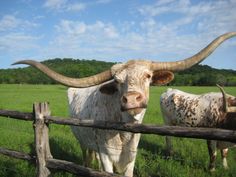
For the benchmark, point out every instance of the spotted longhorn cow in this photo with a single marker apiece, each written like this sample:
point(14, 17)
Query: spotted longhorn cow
point(119, 94)
point(214, 110)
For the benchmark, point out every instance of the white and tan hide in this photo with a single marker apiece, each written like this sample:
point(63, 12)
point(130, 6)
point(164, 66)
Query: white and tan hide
point(206, 110)
point(119, 94)
point(122, 101)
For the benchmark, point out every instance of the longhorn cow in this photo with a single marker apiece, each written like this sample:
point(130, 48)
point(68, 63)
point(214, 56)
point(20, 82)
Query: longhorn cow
point(215, 110)
point(120, 94)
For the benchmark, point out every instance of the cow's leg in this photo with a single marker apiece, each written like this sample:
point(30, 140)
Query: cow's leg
point(87, 157)
point(224, 153)
point(106, 163)
point(84, 153)
point(130, 169)
point(212, 153)
point(90, 157)
point(99, 161)
point(169, 149)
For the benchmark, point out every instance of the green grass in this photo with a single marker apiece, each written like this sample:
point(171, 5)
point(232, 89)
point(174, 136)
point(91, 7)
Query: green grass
point(190, 158)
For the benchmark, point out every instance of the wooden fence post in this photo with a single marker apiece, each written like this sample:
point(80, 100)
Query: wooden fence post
point(41, 138)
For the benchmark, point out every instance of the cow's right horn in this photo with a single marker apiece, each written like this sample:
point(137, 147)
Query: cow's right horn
point(197, 58)
point(71, 82)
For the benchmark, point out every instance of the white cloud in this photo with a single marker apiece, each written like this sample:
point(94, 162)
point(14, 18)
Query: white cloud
point(78, 28)
point(163, 2)
point(17, 46)
point(64, 5)
point(76, 7)
point(68, 27)
point(39, 17)
point(165, 29)
point(55, 4)
point(8, 22)
point(178, 6)
point(17, 42)
point(111, 32)
point(77, 38)
point(148, 24)
point(103, 1)
point(211, 16)
point(199, 22)
point(163, 7)
point(192, 27)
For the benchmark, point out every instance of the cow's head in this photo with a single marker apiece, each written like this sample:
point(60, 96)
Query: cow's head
point(132, 79)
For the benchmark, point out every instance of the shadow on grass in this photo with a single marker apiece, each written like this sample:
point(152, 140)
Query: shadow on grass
point(59, 151)
point(157, 149)
point(8, 168)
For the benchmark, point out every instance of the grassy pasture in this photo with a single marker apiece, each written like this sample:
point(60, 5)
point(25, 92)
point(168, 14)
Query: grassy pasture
point(190, 159)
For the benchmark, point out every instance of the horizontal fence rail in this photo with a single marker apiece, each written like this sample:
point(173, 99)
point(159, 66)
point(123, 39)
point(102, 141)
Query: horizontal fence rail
point(17, 154)
point(17, 115)
point(58, 164)
point(177, 131)
point(76, 169)
point(44, 161)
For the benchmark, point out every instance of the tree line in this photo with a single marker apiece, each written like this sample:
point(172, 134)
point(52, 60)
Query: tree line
point(199, 75)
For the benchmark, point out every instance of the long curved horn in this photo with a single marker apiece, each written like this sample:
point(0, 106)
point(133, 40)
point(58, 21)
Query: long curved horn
point(226, 107)
point(71, 82)
point(197, 58)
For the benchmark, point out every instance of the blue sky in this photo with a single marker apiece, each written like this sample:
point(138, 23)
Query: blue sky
point(116, 30)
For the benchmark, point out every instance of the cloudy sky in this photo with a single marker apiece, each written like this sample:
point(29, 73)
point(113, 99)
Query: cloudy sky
point(116, 30)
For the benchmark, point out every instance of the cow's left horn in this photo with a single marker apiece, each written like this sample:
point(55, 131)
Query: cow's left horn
point(226, 107)
point(71, 82)
point(197, 58)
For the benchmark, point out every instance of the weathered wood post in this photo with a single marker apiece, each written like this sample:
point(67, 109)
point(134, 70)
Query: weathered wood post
point(41, 138)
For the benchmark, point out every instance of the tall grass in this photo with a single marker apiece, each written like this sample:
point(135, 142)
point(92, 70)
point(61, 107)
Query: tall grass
point(190, 157)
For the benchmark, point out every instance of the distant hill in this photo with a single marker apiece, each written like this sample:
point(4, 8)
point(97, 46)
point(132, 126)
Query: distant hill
point(204, 75)
point(197, 75)
point(67, 66)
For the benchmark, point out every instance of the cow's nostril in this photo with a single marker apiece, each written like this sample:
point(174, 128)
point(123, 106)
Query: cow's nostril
point(124, 99)
point(139, 97)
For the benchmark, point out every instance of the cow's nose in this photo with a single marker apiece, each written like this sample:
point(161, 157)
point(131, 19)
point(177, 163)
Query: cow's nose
point(132, 97)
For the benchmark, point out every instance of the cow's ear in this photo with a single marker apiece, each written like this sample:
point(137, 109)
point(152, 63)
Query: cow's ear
point(109, 88)
point(162, 77)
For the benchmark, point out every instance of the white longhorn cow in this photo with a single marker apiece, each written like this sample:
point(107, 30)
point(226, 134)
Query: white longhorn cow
point(215, 110)
point(120, 94)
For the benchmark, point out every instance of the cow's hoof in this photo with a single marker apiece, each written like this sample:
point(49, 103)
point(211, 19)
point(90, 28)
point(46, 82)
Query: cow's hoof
point(226, 167)
point(212, 169)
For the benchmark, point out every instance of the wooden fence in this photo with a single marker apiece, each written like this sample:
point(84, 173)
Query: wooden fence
point(44, 160)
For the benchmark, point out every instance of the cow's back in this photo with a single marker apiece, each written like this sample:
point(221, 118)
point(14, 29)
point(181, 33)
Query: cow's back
point(184, 109)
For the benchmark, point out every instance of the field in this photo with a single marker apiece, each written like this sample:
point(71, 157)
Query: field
point(190, 157)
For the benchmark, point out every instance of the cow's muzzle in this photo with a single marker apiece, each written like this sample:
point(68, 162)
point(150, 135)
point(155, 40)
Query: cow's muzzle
point(133, 111)
point(133, 103)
